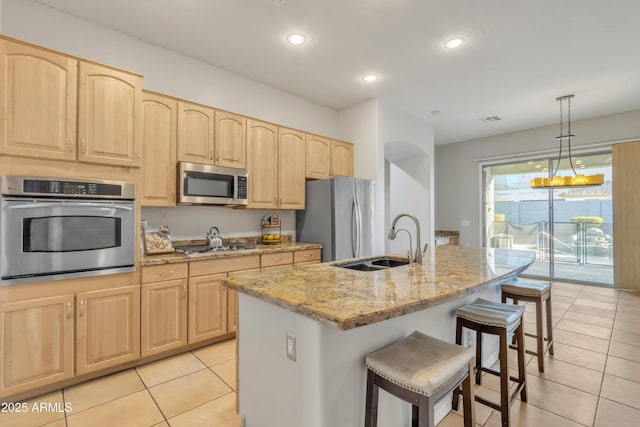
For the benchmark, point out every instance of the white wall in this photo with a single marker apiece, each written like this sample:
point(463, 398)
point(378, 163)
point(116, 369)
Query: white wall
point(407, 142)
point(359, 124)
point(193, 222)
point(457, 172)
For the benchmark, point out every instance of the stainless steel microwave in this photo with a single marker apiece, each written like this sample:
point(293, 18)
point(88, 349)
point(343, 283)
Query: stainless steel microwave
point(200, 184)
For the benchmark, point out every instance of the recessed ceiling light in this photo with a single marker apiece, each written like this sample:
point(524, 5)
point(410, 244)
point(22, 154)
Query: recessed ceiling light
point(369, 78)
point(296, 39)
point(454, 42)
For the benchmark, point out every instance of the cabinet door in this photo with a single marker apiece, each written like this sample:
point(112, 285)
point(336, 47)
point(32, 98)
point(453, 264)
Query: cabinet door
point(37, 102)
point(36, 343)
point(291, 169)
point(207, 307)
point(231, 140)
point(108, 328)
point(318, 157)
point(262, 155)
point(341, 158)
point(163, 316)
point(109, 116)
point(232, 301)
point(159, 135)
point(195, 133)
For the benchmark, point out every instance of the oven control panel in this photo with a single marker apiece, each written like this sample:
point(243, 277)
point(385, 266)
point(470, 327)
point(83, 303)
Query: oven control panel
point(34, 186)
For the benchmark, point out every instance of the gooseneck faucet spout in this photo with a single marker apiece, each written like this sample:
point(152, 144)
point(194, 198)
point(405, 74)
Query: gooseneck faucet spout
point(417, 257)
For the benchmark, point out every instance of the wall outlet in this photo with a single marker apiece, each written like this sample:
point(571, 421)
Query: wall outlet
point(466, 223)
point(291, 346)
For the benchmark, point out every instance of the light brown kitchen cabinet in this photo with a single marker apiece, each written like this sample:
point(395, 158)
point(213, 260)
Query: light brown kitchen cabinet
point(230, 144)
point(341, 158)
point(262, 164)
point(159, 140)
point(108, 115)
point(37, 102)
point(318, 157)
point(164, 305)
point(306, 257)
point(232, 301)
point(195, 133)
point(55, 107)
point(291, 169)
point(108, 328)
point(207, 307)
point(36, 343)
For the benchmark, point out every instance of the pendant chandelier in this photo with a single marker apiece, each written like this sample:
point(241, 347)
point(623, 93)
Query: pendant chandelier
point(577, 180)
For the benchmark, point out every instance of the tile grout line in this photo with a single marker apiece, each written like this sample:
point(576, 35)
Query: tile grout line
point(151, 395)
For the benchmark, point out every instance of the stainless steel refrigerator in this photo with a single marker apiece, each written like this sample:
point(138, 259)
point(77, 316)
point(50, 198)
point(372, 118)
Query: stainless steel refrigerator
point(339, 214)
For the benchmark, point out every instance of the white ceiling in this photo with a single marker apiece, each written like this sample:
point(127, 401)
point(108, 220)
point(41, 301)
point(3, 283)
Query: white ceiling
point(519, 55)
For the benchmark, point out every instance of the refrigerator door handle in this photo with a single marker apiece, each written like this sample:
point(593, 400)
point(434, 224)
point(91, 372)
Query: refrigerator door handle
point(354, 228)
point(358, 227)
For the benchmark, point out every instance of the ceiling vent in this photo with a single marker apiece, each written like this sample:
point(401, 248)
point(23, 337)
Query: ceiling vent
point(491, 119)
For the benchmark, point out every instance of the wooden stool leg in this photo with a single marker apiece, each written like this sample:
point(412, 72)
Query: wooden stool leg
point(504, 378)
point(371, 408)
point(478, 357)
point(456, 391)
point(468, 400)
point(549, 324)
point(425, 412)
point(540, 336)
point(521, 355)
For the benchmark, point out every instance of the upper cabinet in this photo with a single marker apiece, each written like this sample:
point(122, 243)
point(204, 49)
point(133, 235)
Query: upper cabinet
point(55, 107)
point(341, 158)
point(318, 157)
point(108, 116)
point(159, 135)
point(37, 102)
point(195, 133)
point(262, 164)
point(230, 140)
point(291, 169)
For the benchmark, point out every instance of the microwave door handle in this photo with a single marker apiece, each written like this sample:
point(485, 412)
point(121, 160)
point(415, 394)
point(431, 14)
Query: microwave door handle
point(70, 205)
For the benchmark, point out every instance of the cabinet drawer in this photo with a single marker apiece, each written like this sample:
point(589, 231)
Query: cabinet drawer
point(158, 273)
point(306, 255)
point(223, 265)
point(280, 258)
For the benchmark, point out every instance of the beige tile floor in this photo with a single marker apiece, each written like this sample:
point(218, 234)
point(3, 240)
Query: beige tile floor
point(593, 379)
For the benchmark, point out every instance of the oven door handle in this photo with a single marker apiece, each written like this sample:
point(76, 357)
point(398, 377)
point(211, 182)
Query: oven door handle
point(70, 205)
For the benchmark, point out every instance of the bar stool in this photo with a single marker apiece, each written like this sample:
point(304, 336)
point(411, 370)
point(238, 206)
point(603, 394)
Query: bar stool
point(497, 319)
point(527, 290)
point(420, 370)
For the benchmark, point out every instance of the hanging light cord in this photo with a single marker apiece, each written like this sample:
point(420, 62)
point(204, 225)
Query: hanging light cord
point(563, 136)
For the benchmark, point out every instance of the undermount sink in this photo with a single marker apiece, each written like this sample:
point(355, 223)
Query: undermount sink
point(374, 264)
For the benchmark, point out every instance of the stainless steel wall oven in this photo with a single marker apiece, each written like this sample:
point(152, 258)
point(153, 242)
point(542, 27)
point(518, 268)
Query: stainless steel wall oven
point(53, 228)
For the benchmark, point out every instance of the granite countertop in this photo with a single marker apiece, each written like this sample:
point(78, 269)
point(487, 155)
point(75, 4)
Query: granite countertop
point(259, 249)
point(347, 299)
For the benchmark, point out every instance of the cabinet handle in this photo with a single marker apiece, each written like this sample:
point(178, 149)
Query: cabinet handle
point(83, 146)
point(184, 291)
point(70, 144)
point(68, 310)
point(277, 259)
point(167, 273)
point(173, 195)
point(307, 255)
point(81, 311)
point(217, 157)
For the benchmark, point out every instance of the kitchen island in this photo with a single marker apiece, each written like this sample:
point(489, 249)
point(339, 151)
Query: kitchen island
point(339, 315)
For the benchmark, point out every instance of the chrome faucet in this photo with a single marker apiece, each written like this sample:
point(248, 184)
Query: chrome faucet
point(417, 257)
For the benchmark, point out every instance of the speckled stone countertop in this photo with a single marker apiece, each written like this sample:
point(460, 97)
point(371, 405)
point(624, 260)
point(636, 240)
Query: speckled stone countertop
point(347, 299)
point(259, 249)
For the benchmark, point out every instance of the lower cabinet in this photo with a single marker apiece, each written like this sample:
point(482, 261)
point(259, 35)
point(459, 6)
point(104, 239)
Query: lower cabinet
point(108, 328)
point(163, 316)
point(37, 343)
point(207, 307)
point(37, 336)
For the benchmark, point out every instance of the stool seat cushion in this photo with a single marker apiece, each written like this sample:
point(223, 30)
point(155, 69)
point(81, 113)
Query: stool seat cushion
point(420, 363)
point(526, 288)
point(492, 313)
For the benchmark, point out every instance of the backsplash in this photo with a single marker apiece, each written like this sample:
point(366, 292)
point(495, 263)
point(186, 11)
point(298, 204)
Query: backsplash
point(193, 222)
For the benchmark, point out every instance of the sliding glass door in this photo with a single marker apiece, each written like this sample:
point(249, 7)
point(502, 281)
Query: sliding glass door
point(569, 228)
